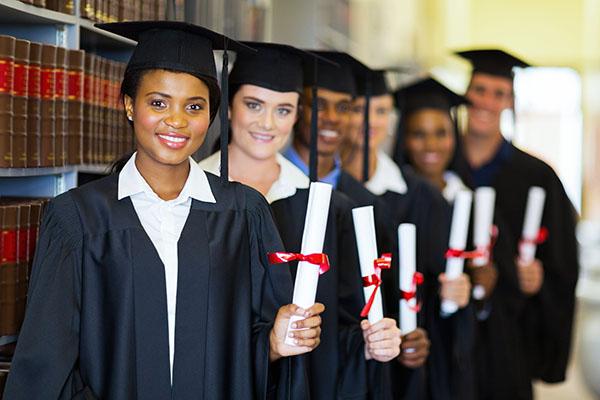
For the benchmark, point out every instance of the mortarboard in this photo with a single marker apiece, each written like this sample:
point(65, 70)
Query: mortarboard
point(183, 47)
point(492, 61)
point(337, 78)
point(426, 93)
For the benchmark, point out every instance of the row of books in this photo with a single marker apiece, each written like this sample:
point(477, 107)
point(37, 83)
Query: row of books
point(19, 226)
point(59, 106)
point(128, 10)
point(64, 6)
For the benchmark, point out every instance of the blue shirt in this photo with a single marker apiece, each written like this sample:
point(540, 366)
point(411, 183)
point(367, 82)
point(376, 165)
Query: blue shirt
point(485, 175)
point(332, 178)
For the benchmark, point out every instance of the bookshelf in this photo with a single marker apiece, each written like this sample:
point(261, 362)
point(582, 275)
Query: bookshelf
point(26, 21)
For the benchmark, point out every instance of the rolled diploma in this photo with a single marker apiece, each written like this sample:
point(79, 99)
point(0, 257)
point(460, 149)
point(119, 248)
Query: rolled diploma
point(532, 222)
point(366, 241)
point(458, 240)
point(407, 244)
point(315, 224)
point(482, 228)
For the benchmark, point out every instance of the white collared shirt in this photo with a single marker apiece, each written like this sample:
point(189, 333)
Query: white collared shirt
point(290, 179)
point(163, 221)
point(453, 185)
point(387, 177)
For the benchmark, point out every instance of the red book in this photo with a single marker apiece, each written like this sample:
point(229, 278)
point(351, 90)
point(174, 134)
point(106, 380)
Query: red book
point(20, 103)
point(34, 105)
point(48, 105)
point(88, 107)
point(75, 106)
point(7, 58)
point(60, 96)
point(8, 270)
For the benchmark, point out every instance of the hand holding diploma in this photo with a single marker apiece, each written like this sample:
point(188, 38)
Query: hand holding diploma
point(414, 349)
point(305, 339)
point(382, 339)
point(531, 276)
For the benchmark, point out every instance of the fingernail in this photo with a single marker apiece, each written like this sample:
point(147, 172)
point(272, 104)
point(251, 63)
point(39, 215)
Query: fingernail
point(290, 334)
point(296, 341)
point(294, 325)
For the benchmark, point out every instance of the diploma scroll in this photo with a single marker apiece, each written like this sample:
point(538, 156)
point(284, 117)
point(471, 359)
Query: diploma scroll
point(407, 241)
point(482, 230)
point(315, 224)
point(366, 241)
point(531, 225)
point(458, 241)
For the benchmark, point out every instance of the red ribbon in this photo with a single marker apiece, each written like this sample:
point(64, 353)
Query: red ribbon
point(484, 252)
point(541, 237)
point(383, 262)
point(319, 259)
point(417, 280)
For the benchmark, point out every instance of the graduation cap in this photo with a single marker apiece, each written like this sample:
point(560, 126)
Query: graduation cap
point(425, 93)
point(493, 61)
point(376, 81)
point(274, 66)
point(338, 77)
point(183, 47)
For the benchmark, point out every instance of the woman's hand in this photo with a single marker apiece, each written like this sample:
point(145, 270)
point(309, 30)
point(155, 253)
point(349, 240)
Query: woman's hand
point(485, 276)
point(382, 340)
point(414, 349)
point(307, 336)
point(457, 290)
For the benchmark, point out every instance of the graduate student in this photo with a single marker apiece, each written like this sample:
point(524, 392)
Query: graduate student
point(154, 282)
point(408, 198)
point(429, 142)
point(334, 91)
point(549, 281)
point(265, 89)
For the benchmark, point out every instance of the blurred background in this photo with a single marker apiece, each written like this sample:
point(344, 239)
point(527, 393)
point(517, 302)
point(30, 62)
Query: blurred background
point(557, 112)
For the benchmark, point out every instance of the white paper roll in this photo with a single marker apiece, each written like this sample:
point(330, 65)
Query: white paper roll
point(366, 241)
point(407, 243)
point(315, 224)
point(458, 241)
point(482, 227)
point(531, 224)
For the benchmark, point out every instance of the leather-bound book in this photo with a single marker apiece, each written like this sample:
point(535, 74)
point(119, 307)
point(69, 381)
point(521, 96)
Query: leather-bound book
point(48, 105)
point(88, 107)
point(75, 107)
point(8, 269)
point(60, 94)
point(87, 9)
point(34, 105)
point(20, 103)
point(7, 58)
point(22, 261)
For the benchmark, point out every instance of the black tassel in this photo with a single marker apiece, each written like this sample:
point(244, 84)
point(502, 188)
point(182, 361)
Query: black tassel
point(366, 128)
point(313, 162)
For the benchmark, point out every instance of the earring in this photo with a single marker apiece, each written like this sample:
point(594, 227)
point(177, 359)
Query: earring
point(129, 117)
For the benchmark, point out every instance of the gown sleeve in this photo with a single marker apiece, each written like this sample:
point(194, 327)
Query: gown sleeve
point(272, 288)
point(45, 361)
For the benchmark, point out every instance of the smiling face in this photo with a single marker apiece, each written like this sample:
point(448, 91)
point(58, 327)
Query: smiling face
point(489, 96)
point(333, 119)
point(262, 120)
point(429, 141)
point(380, 109)
point(170, 116)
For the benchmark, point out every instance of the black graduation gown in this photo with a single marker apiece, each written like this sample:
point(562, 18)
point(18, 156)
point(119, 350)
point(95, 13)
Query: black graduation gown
point(337, 367)
point(546, 319)
point(448, 373)
point(96, 321)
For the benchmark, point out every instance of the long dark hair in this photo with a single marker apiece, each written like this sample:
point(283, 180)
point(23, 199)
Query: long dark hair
point(130, 86)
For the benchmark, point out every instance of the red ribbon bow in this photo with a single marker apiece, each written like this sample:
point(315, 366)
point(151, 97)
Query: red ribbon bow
point(319, 259)
point(383, 262)
point(541, 237)
point(417, 280)
point(483, 252)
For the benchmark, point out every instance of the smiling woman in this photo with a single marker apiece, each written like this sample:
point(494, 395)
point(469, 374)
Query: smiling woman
point(148, 279)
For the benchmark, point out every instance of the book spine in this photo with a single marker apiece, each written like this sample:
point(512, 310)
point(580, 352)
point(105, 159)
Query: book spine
point(7, 58)
point(48, 105)
point(34, 105)
point(75, 106)
point(60, 96)
point(88, 94)
point(20, 103)
point(8, 270)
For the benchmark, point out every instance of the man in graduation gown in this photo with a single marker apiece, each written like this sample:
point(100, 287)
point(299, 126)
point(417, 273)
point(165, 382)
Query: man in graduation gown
point(548, 283)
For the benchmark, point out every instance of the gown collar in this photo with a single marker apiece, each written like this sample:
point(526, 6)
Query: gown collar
point(387, 177)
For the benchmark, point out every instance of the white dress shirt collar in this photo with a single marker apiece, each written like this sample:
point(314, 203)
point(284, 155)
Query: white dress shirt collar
point(290, 179)
point(196, 186)
point(387, 177)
